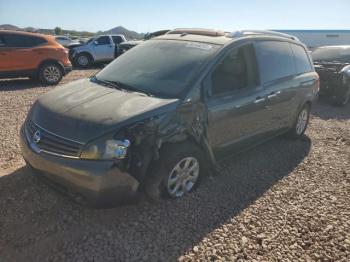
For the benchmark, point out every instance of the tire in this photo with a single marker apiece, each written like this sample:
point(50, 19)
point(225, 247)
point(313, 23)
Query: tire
point(342, 97)
point(168, 173)
point(300, 123)
point(83, 60)
point(50, 74)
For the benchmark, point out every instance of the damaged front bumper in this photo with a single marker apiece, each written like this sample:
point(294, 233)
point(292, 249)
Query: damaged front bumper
point(99, 183)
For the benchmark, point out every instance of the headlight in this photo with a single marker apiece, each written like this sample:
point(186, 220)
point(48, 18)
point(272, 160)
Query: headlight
point(106, 150)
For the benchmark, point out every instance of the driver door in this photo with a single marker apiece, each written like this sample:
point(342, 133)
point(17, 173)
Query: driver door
point(103, 48)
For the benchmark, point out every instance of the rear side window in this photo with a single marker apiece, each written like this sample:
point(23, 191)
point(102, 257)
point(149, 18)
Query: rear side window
point(275, 60)
point(103, 40)
point(117, 39)
point(302, 61)
point(61, 38)
point(2, 41)
point(23, 40)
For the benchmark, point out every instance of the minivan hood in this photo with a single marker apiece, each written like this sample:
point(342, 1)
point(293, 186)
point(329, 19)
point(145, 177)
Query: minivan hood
point(83, 110)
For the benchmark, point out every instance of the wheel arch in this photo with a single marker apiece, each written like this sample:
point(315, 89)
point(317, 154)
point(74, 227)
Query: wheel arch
point(200, 143)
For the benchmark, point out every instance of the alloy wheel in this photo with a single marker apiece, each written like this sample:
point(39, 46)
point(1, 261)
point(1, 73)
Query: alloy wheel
point(183, 177)
point(83, 60)
point(302, 121)
point(52, 74)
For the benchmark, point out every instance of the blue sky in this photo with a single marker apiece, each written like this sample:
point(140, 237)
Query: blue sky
point(151, 15)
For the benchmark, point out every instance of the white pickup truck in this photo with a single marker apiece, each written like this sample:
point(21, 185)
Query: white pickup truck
point(103, 48)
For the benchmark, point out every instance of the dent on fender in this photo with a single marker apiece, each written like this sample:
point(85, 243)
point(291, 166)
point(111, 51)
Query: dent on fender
point(148, 137)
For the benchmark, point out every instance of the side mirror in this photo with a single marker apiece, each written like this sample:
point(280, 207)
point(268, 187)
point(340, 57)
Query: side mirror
point(95, 42)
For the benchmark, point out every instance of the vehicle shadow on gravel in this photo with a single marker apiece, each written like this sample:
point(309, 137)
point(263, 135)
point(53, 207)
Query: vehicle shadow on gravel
point(43, 225)
point(17, 84)
point(325, 110)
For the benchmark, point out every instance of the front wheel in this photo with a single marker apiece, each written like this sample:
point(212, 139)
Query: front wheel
point(177, 172)
point(83, 60)
point(300, 123)
point(50, 74)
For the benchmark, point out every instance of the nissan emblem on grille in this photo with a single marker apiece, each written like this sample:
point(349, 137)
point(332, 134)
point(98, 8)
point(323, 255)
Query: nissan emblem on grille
point(37, 136)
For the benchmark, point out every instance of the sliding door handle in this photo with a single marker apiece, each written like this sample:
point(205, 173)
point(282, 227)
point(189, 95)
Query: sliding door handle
point(259, 99)
point(273, 94)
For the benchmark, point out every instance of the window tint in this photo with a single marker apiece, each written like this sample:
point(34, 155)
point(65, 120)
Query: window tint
point(302, 61)
point(238, 70)
point(117, 39)
point(275, 60)
point(103, 40)
point(23, 40)
point(2, 41)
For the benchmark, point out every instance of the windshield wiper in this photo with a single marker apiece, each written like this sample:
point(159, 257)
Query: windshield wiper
point(105, 82)
point(121, 86)
point(128, 88)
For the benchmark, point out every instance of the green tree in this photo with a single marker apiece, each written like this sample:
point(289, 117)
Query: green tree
point(58, 30)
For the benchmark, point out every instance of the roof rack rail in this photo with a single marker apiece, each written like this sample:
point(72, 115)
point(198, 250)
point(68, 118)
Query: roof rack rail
point(197, 31)
point(241, 33)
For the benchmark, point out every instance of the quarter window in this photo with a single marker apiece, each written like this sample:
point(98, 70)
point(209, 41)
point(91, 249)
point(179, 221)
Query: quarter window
point(23, 40)
point(2, 41)
point(103, 40)
point(302, 61)
point(275, 60)
point(238, 70)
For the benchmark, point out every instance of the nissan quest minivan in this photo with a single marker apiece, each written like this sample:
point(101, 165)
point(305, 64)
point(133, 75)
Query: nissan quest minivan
point(164, 113)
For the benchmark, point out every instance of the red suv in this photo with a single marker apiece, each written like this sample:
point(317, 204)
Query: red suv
point(32, 55)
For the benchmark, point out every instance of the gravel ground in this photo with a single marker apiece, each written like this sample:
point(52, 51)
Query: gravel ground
point(282, 201)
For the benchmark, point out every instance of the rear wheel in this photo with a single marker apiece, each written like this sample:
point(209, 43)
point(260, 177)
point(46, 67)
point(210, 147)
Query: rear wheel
point(178, 171)
point(342, 97)
point(300, 123)
point(83, 60)
point(50, 74)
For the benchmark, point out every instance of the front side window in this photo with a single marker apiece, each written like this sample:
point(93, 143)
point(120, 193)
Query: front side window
point(159, 67)
point(237, 71)
point(23, 40)
point(302, 61)
point(103, 40)
point(275, 60)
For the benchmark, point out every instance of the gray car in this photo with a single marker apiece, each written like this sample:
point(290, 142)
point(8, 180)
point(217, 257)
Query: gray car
point(102, 48)
point(162, 115)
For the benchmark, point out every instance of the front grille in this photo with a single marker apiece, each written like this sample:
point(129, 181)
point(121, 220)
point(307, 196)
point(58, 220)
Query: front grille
point(51, 143)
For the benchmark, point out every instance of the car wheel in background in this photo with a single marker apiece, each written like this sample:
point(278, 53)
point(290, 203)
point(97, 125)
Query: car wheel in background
point(177, 172)
point(50, 74)
point(300, 123)
point(342, 97)
point(83, 60)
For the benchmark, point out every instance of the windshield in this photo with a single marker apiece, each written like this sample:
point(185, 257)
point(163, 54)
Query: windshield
point(330, 54)
point(158, 67)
